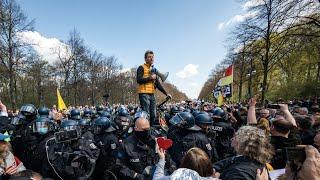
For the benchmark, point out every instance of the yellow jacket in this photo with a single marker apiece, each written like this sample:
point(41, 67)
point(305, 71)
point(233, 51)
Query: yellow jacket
point(146, 84)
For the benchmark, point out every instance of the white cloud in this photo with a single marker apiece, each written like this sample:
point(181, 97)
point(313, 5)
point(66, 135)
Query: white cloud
point(311, 7)
point(46, 47)
point(194, 84)
point(236, 19)
point(188, 71)
point(220, 26)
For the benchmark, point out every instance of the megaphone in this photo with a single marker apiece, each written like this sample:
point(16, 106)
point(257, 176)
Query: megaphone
point(162, 76)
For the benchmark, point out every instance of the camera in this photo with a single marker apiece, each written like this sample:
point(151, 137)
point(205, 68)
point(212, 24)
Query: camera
point(295, 154)
point(63, 136)
point(273, 106)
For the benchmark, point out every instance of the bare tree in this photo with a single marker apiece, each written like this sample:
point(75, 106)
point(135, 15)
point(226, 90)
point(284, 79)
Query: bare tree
point(268, 26)
point(13, 23)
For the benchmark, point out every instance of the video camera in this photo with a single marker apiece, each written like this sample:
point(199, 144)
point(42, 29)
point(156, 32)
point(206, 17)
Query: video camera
point(273, 106)
point(293, 156)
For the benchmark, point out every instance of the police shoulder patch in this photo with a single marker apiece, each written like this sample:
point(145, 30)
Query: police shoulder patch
point(93, 146)
point(135, 160)
point(209, 146)
point(113, 146)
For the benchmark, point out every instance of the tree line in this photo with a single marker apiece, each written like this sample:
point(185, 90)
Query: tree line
point(82, 74)
point(275, 52)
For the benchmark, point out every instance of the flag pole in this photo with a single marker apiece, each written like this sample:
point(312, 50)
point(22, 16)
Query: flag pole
point(232, 98)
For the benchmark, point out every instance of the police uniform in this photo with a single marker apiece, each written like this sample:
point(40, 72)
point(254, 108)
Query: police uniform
point(108, 144)
point(136, 160)
point(74, 159)
point(183, 140)
point(24, 142)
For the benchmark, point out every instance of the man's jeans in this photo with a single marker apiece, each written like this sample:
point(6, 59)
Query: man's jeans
point(148, 104)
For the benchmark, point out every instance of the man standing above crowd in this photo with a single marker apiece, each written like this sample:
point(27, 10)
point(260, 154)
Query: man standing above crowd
point(148, 82)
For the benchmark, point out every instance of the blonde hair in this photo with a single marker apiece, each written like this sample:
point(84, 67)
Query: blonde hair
point(263, 124)
point(254, 143)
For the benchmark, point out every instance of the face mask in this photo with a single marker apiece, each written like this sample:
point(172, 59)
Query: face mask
point(43, 130)
point(143, 136)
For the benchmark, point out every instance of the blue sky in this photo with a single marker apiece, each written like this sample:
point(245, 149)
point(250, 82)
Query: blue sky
point(180, 32)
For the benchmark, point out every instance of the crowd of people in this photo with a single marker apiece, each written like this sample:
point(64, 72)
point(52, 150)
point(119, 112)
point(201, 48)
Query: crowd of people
point(234, 141)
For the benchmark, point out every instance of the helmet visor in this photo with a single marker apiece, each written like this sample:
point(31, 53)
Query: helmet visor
point(28, 109)
point(41, 127)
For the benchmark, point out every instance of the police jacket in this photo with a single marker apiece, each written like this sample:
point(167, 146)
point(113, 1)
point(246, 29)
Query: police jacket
point(237, 167)
point(138, 160)
point(108, 144)
point(183, 140)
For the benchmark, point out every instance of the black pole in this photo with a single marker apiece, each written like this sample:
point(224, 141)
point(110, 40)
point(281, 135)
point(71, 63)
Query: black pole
point(250, 78)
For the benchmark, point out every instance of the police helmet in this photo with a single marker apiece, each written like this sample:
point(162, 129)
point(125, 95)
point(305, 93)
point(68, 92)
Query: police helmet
point(18, 120)
point(218, 113)
point(195, 113)
point(99, 109)
point(28, 110)
point(123, 122)
point(109, 110)
point(174, 110)
point(43, 111)
point(69, 125)
point(83, 122)
point(42, 125)
point(203, 119)
point(122, 111)
point(184, 120)
point(94, 114)
point(105, 114)
point(87, 113)
point(102, 124)
point(75, 114)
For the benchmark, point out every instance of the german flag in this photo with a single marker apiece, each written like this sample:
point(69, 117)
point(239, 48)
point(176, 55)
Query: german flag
point(228, 76)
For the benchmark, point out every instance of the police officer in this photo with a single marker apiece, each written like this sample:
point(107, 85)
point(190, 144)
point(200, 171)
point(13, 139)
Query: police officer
point(86, 131)
point(44, 128)
point(24, 140)
point(205, 122)
point(123, 122)
point(73, 156)
point(185, 135)
point(108, 143)
point(137, 156)
point(223, 132)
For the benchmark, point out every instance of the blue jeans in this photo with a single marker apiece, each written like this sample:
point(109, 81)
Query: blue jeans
point(148, 104)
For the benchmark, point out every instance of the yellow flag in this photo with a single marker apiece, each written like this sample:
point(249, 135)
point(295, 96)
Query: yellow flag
point(220, 99)
point(61, 104)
